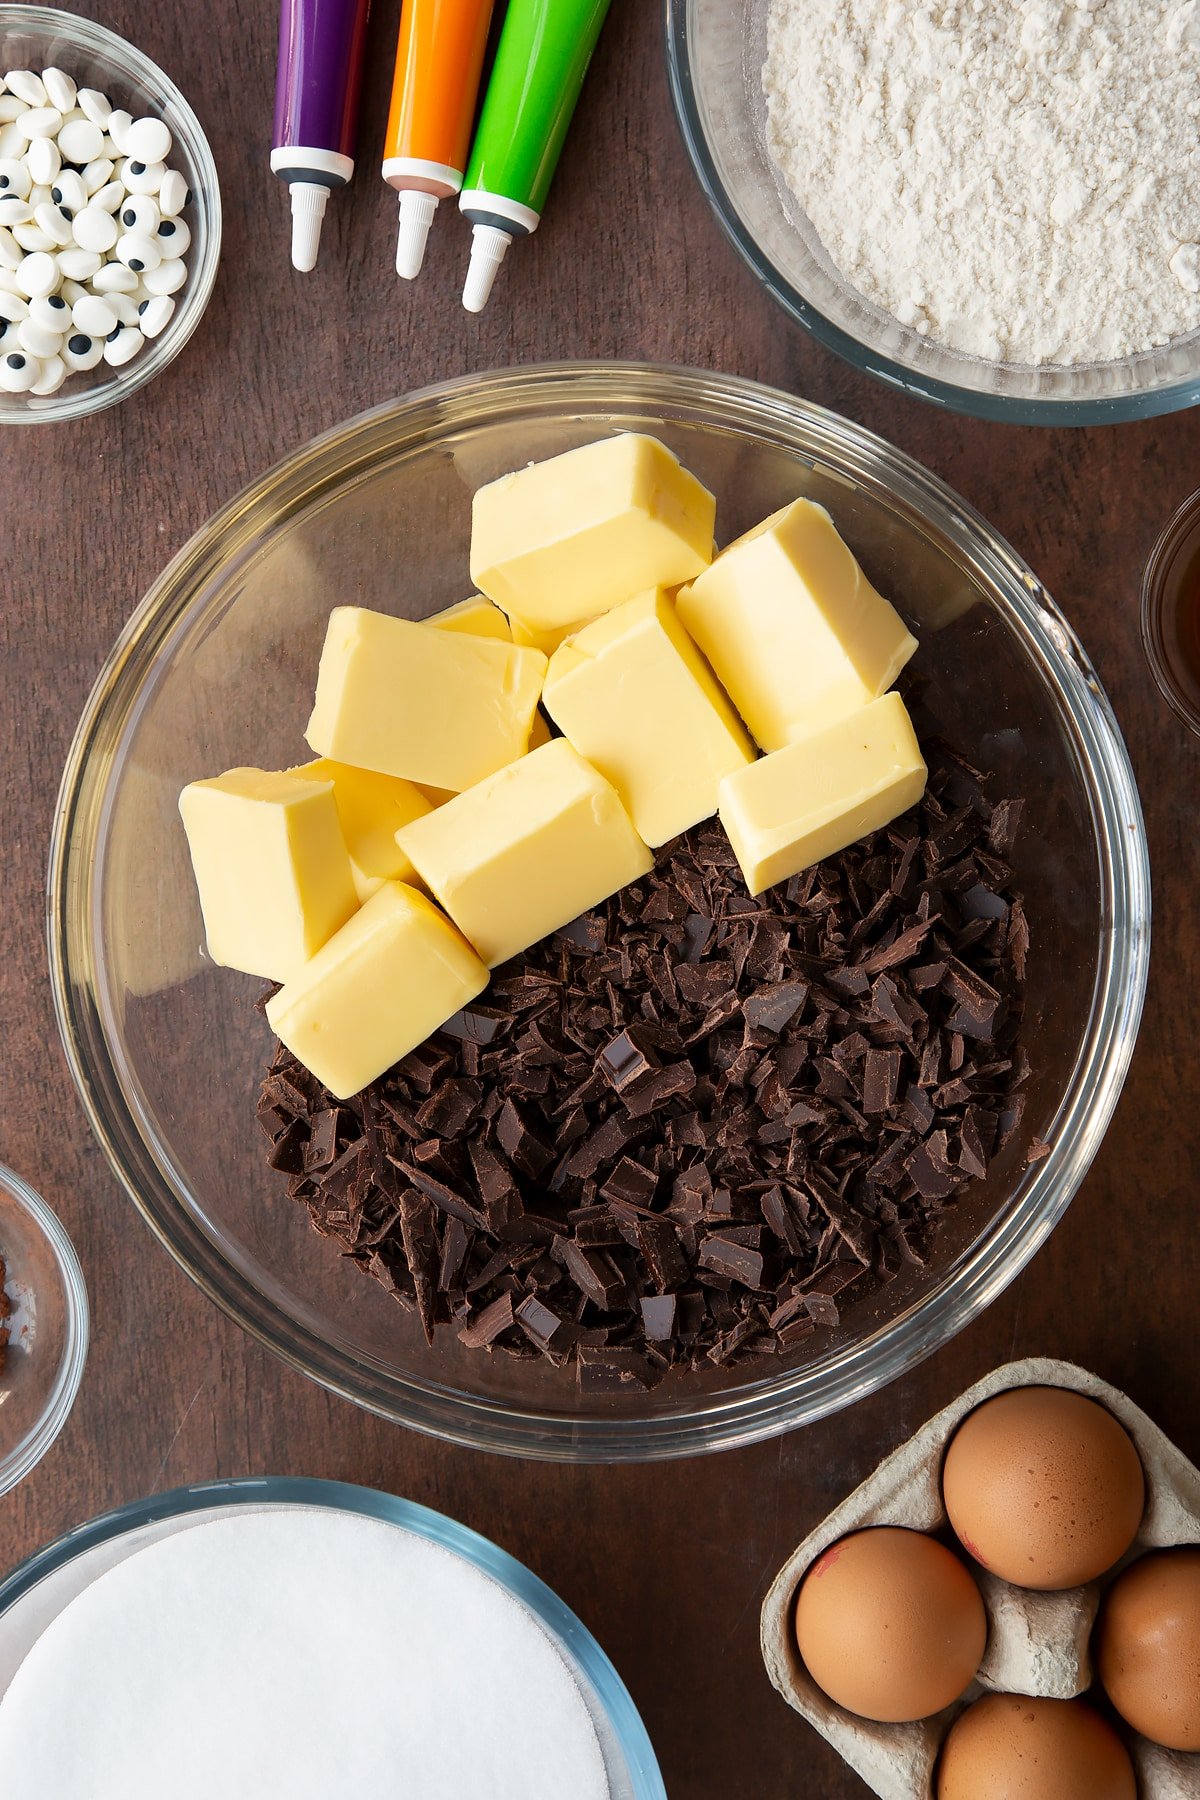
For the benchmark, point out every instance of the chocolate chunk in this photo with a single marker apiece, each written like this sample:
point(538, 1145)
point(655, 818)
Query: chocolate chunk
point(658, 1316)
point(422, 1254)
point(903, 946)
point(881, 1077)
point(624, 1058)
point(476, 1024)
point(498, 1192)
point(288, 1152)
point(631, 1181)
point(653, 1091)
point(456, 1246)
point(659, 1244)
point(524, 1149)
point(487, 1325)
point(593, 1272)
point(822, 1309)
point(726, 1256)
point(771, 1008)
point(541, 1324)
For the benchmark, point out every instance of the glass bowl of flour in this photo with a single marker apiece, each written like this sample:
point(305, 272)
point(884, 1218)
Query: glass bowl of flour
point(994, 207)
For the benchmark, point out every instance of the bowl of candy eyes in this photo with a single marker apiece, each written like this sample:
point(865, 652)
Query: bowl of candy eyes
point(110, 217)
point(650, 1094)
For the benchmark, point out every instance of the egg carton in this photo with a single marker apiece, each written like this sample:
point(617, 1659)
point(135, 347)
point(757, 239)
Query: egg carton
point(1037, 1642)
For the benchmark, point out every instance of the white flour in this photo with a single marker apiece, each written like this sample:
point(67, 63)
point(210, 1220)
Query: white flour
point(1018, 179)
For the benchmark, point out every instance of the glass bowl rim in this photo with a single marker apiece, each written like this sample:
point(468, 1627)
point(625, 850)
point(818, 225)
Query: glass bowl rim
point(25, 1455)
point(764, 1410)
point(1181, 528)
point(1008, 409)
point(81, 403)
point(391, 1509)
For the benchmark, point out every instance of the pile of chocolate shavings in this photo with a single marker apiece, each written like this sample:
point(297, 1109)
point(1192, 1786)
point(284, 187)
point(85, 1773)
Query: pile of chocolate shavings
point(678, 1132)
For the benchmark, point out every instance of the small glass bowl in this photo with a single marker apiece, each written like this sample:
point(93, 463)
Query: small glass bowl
point(38, 1590)
point(715, 54)
point(1174, 557)
point(48, 1329)
point(40, 37)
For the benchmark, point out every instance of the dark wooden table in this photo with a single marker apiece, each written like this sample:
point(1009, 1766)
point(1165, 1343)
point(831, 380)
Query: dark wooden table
point(667, 1565)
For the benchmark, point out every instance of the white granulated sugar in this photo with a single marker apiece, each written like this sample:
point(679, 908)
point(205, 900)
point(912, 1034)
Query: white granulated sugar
point(296, 1654)
point(1017, 179)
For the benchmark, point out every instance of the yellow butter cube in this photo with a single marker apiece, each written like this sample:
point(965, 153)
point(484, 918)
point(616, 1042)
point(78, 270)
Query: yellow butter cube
point(476, 617)
point(271, 868)
point(635, 696)
point(372, 808)
point(391, 976)
point(791, 625)
point(811, 799)
point(436, 707)
point(568, 538)
point(527, 850)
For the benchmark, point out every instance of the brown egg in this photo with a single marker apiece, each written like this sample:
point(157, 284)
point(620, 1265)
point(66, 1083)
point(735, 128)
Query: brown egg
point(1148, 1647)
point(1043, 1487)
point(1009, 1747)
point(890, 1624)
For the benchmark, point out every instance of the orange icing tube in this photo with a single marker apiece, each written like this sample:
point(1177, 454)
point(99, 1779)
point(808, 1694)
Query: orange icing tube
point(439, 61)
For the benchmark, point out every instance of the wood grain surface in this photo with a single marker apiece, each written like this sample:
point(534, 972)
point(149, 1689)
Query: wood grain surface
point(667, 1565)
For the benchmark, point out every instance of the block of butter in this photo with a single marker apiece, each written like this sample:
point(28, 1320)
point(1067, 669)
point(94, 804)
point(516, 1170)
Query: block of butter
point(475, 617)
point(527, 850)
point(798, 805)
point(568, 538)
point(372, 808)
point(634, 695)
point(376, 990)
point(271, 868)
point(795, 631)
point(438, 707)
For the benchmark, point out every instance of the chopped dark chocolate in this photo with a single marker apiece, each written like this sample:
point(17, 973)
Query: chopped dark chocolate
point(678, 1131)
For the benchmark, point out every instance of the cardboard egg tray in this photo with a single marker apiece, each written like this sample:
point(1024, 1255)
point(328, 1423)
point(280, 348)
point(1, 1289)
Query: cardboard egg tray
point(1037, 1642)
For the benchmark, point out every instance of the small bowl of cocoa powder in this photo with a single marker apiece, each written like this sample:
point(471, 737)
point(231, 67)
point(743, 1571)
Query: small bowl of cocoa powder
point(43, 1328)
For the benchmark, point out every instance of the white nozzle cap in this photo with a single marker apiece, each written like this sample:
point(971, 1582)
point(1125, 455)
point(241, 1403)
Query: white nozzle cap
point(416, 216)
point(308, 210)
point(489, 247)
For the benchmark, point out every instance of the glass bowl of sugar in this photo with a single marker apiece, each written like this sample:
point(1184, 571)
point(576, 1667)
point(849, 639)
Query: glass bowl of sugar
point(1023, 258)
point(447, 1665)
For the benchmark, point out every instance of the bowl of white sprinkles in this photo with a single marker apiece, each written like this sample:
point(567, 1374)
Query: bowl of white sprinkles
point(995, 207)
point(110, 217)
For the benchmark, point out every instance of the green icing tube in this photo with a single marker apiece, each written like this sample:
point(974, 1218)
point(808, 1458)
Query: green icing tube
point(543, 56)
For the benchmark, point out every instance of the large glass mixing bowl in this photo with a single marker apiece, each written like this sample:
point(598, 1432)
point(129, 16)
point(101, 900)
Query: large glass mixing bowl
point(216, 668)
point(715, 55)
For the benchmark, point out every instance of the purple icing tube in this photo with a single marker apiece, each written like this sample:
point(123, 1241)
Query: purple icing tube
point(321, 46)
